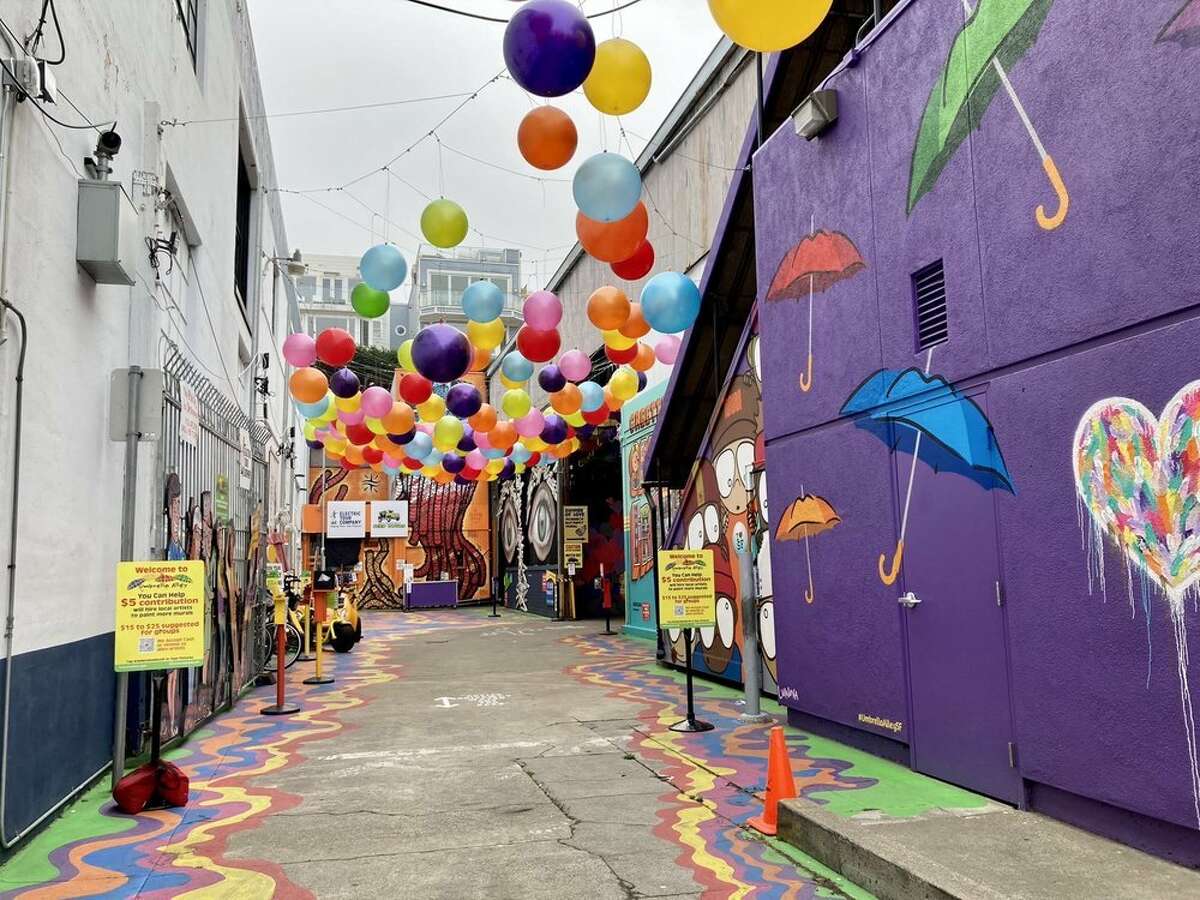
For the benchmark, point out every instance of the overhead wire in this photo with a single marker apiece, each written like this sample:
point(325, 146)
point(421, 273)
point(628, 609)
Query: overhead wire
point(383, 104)
point(428, 4)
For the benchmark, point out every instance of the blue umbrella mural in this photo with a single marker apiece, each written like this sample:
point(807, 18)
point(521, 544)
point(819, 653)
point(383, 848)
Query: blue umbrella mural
point(924, 415)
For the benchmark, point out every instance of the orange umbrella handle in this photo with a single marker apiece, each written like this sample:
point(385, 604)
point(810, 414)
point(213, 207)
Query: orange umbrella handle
point(1064, 200)
point(806, 379)
point(889, 576)
point(809, 597)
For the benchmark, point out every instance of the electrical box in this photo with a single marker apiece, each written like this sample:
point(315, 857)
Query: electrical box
point(106, 228)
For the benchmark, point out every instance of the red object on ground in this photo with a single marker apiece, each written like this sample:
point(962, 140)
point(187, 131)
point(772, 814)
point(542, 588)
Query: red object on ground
point(781, 785)
point(163, 780)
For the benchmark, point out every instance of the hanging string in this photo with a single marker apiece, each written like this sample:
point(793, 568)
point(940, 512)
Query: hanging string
point(387, 204)
point(441, 171)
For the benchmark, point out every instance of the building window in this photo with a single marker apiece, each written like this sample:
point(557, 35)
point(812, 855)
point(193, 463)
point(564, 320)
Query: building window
point(306, 287)
point(189, 18)
point(241, 247)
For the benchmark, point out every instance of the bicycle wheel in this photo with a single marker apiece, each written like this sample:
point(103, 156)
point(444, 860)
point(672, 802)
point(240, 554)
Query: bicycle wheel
point(292, 645)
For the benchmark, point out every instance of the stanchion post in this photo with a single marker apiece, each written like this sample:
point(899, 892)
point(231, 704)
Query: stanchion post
point(281, 706)
point(496, 582)
point(320, 601)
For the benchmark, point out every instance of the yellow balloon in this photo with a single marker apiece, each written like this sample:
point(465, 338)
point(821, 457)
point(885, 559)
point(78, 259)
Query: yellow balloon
point(432, 409)
point(447, 432)
point(534, 443)
point(375, 426)
point(768, 25)
point(348, 404)
point(444, 223)
point(335, 446)
point(576, 418)
point(328, 416)
point(310, 430)
point(429, 471)
point(404, 356)
point(515, 403)
point(486, 335)
point(624, 383)
point(620, 77)
point(618, 341)
point(510, 384)
point(495, 466)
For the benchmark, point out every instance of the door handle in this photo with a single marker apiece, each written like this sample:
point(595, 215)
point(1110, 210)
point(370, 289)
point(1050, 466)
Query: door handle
point(909, 600)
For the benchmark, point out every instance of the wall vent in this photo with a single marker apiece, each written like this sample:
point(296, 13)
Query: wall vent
point(929, 300)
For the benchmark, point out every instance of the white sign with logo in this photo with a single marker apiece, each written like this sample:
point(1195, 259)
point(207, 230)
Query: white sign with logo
point(389, 518)
point(346, 519)
point(246, 463)
point(189, 414)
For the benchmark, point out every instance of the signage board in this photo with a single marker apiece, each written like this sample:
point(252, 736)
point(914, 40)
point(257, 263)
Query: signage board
point(573, 553)
point(575, 523)
point(159, 615)
point(221, 499)
point(189, 414)
point(346, 519)
point(389, 518)
point(686, 589)
point(245, 460)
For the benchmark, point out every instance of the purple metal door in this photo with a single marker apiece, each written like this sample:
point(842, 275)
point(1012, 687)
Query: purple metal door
point(961, 724)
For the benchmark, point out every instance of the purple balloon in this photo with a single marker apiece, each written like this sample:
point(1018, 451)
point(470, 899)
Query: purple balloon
point(458, 479)
point(555, 429)
point(453, 463)
point(463, 400)
point(641, 381)
point(402, 438)
point(441, 353)
point(343, 383)
point(549, 47)
point(467, 444)
point(509, 470)
point(314, 445)
point(551, 379)
point(584, 431)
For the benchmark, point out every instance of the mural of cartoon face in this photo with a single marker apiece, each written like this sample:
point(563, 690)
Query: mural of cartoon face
point(719, 645)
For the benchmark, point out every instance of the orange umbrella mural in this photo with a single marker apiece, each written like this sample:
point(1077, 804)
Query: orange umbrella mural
point(808, 516)
point(813, 266)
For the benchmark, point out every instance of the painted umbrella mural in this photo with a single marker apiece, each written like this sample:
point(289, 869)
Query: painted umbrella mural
point(925, 416)
point(813, 266)
point(807, 517)
point(1184, 26)
point(996, 35)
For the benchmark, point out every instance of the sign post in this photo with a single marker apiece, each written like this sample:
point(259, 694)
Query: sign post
point(496, 582)
point(607, 602)
point(687, 599)
point(281, 706)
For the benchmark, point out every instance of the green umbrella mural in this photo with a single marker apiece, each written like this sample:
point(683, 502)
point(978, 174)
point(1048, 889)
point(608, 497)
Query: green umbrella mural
point(997, 34)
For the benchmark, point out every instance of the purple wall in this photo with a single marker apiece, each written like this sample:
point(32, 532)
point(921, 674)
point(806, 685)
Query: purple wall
point(1043, 323)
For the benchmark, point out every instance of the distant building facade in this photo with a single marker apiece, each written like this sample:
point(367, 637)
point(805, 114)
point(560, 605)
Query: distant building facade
point(441, 277)
point(324, 294)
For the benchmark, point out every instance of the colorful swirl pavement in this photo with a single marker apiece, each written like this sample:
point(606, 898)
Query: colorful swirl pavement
point(95, 851)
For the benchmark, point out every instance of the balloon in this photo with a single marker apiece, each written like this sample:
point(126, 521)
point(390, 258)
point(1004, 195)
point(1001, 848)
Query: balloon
point(315, 409)
point(547, 138)
point(549, 47)
point(515, 403)
point(368, 302)
point(467, 442)
point(607, 187)
point(484, 418)
point(503, 436)
point(516, 367)
point(670, 302)
point(447, 432)
point(667, 349)
point(623, 356)
point(482, 441)
point(463, 400)
point(419, 446)
point(404, 356)
point(551, 379)
point(542, 311)
point(402, 439)
point(612, 242)
point(531, 424)
point(591, 396)
point(351, 416)
point(376, 402)
point(483, 301)
point(554, 430)
point(599, 415)
point(426, 427)
point(520, 454)
point(299, 350)
point(375, 426)
point(494, 466)
point(569, 399)
point(576, 365)
point(642, 381)
point(485, 335)
point(453, 463)
point(636, 325)
point(383, 268)
point(354, 456)
point(480, 359)
point(441, 353)
point(411, 464)
point(538, 346)
point(643, 361)
point(636, 266)
point(509, 383)
point(335, 347)
point(561, 451)
point(608, 308)
point(611, 400)
point(616, 341)
point(620, 78)
point(372, 455)
point(768, 25)
point(623, 383)
point(308, 385)
point(359, 435)
point(476, 460)
point(399, 419)
point(344, 383)
point(444, 223)
point(415, 388)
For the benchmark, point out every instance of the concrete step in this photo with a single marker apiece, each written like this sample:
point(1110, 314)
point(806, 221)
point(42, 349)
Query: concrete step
point(986, 853)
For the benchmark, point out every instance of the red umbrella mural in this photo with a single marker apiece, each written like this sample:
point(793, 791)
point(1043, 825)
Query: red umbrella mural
point(813, 266)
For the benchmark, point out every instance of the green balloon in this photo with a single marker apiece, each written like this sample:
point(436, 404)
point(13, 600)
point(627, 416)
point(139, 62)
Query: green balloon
point(444, 223)
point(368, 302)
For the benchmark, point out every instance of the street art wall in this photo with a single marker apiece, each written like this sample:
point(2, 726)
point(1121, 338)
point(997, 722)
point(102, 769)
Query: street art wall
point(983, 451)
point(638, 419)
point(528, 522)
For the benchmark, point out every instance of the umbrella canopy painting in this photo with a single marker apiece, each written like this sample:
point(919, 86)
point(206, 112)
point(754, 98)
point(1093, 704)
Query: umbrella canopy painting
point(1183, 27)
point(997, 34)
point(813, 266)
point(925, 416)
point(1138, 478)
point(807, 517)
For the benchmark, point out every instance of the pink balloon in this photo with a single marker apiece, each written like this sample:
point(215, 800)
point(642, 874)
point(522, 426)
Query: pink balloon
point(390, 461)
point(476, 460)
point(300, 350)
point(482, 441)
point(531, 424)
point(667, 349)
point(543, 311)
point(575, 365)
point(425, 427)
point(377, 402)
point(352, 418)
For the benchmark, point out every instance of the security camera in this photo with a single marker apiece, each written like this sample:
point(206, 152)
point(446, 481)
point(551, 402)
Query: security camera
point(109, 144)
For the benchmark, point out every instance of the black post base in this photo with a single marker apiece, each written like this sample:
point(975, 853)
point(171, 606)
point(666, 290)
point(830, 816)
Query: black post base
point(313, 679)
point(276, 710)
point(305, 657)
point(692, 725)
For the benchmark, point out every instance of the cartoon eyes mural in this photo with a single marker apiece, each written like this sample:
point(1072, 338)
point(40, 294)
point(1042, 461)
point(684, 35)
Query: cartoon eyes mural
point(695, 535)
point(726, 467)
point(712, 523)
point(704, 528)
point(733, 466)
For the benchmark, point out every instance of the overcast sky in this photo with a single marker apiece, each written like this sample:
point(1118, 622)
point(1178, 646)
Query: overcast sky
point(329, 53)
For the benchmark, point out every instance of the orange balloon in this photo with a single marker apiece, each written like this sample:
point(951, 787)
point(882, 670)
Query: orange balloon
point(612, 242)
point(608, 308)
point(644, 361)
point(636, 325)
point(443, 477)
point(547, 138)
point(485, 419)
point(569, 399)
point(308, 385)
point(612, 401)
point(503, 436)
point(480, 359)
point(561, 451)
point(400, 419)
point(354, 453)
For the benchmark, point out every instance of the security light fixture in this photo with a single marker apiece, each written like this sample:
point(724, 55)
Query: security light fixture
point(818, 111)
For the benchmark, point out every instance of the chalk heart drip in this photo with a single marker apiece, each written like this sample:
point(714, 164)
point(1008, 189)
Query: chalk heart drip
point(1139, 478)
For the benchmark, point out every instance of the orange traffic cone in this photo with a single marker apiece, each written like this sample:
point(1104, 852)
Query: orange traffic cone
point(780, 783)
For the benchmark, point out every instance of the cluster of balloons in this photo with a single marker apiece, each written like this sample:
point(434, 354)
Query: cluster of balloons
point(669, 305)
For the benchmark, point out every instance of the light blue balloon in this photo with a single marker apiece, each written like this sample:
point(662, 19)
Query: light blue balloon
point(383, 267)
point(493, 453)
point(433, 458)
point(520, 454)
point(670, 302)
point(593, 396)
point(607, 187)
point(419, 446)
point(483, 301)
point(388, 470)
point(314, 410)
point(516, 367)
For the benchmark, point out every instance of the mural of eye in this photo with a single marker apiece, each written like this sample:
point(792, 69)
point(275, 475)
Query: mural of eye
point(745, 462)
point(712, 523)
point(510, 530)
point(726, 469)
point(695, 535)
point(725, 620)
point(754, 352)
point(766, 628)
point(762, 496)
point(543, 511)
point(740, 539)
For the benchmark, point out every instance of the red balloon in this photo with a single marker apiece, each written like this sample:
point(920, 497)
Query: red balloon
point(620, 357)
point(638, 265)
point(469, 473)
point(335, 347)
point(538, 346)
point(347, 465)
point(372, 455)
point(415, 388)
point(360, 435)
point(596, 416)
point(534, 458)
point(413, 464)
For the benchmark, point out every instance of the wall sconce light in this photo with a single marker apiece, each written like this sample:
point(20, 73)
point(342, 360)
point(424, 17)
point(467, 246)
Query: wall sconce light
point(818, 111)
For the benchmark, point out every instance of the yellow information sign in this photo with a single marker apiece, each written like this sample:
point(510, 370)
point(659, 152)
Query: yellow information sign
point(573, 553)
point(160, 615)
point(575, 523)
point(686, 589)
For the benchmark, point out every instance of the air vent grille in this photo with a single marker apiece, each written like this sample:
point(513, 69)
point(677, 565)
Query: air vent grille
point(929, 299)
